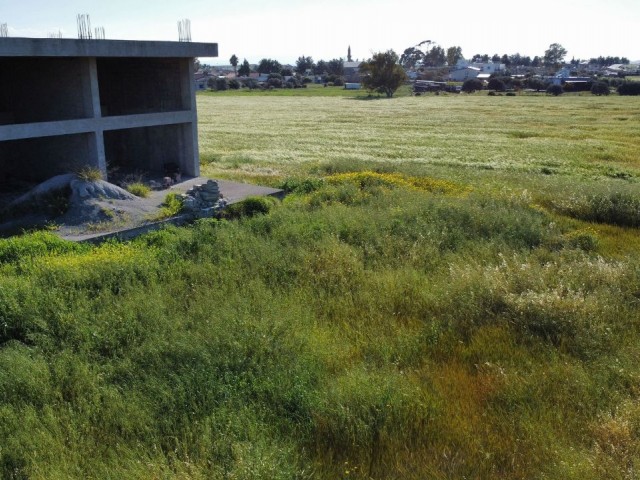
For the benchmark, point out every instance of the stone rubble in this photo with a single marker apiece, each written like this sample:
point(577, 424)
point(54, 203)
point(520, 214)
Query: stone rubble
point(204, 200)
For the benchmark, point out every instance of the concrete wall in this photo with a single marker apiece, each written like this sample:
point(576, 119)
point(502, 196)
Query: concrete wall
point(36, 159)
point(43, 90)
point(148, 149)
point(133, 85)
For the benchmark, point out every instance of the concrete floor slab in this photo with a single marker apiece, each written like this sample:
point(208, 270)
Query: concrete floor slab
point(142, 209)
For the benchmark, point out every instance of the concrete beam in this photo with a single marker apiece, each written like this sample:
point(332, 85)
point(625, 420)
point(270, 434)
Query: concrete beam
point(86, 125)
point(66, 47)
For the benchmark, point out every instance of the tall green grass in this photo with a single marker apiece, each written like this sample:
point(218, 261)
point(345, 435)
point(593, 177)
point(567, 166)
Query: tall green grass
point(381, 332)
point(399, 315)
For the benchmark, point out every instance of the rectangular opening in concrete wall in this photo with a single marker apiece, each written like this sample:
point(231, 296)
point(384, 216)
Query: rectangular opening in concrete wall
point(140, 85)
point(149, 151)
point(44, 89)
point(34, 160)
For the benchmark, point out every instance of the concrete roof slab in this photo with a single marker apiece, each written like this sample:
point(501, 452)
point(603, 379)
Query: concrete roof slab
point(66, 47)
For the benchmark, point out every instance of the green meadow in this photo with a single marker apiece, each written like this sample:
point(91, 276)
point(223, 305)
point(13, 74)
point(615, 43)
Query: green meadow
point(450, 289)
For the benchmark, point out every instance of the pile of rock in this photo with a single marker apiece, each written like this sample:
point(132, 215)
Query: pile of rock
point(204, 200)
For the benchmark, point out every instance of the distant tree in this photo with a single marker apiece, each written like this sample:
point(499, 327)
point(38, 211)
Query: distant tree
point(286, 72)
point(536, 62)
point(234, 63)
point(320, 68)
point(196, 65)
point(555, 90)
point(515, 59)
point(349, 59)
point(506, 60)
point(335, 80)
point(234, 84)
point(496, 84)
point(250, 83)
point(536, 84)
point(411, 57)
point(336, 67)
point(436, 57)
point(471, 85)
point(526, 61)
point(600, 88)
point(245, 69)
point(383, 73)
point(554, 55)
point(453, 55)
point(606, 61)
point(484, 58)
point(303, 64)
point(495, 58)
point(221, 84)
point(275, 80)
point(268, 65)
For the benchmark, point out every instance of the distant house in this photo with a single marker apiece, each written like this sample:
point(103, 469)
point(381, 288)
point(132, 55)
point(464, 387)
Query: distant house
point(465, 73)
point(201, 80)
point(465, 70)
point(351, 72)
point(622, 69)
point(563, 77)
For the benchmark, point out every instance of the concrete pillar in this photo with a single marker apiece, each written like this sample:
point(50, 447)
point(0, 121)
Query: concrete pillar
point(98, 158)
point(191, 162)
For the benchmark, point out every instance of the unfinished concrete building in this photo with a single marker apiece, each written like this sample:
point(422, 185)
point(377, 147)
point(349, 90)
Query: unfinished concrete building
point(111, 104)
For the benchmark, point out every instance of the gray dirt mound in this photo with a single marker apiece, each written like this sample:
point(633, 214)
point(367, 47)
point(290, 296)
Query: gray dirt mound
point(54, 184)
point(100, 202)
point(81, 191)
point(89, 202)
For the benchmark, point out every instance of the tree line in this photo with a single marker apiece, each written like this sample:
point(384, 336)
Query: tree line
point(305, 65)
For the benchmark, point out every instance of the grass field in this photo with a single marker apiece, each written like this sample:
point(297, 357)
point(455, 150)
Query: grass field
point(450, 290)
point(572, 135)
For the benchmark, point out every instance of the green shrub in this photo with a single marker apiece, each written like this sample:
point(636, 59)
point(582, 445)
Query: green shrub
point(249, 207)
point(222, 84)
point(138, 189)
point(171, 206)
point(301, 185)
point(629, 88)
point(555, 90)
point(234, 84)
point(497, 85)
point(38, 244)
point(600, 88)
point(471, 85)
point(250, 83)
point(615, 208)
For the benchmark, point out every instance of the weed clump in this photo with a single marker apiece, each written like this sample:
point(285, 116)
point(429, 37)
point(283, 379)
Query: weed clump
point(138, 189)
point(89, 174)
point(249, 207)
point(368, 179)
point(615, 208)
point(171, 206)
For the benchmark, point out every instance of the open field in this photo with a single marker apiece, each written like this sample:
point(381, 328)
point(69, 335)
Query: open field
point(571, 135)
point(451, 290)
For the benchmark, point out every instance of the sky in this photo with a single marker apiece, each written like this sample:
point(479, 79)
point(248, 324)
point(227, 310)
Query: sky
point(287, 29)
